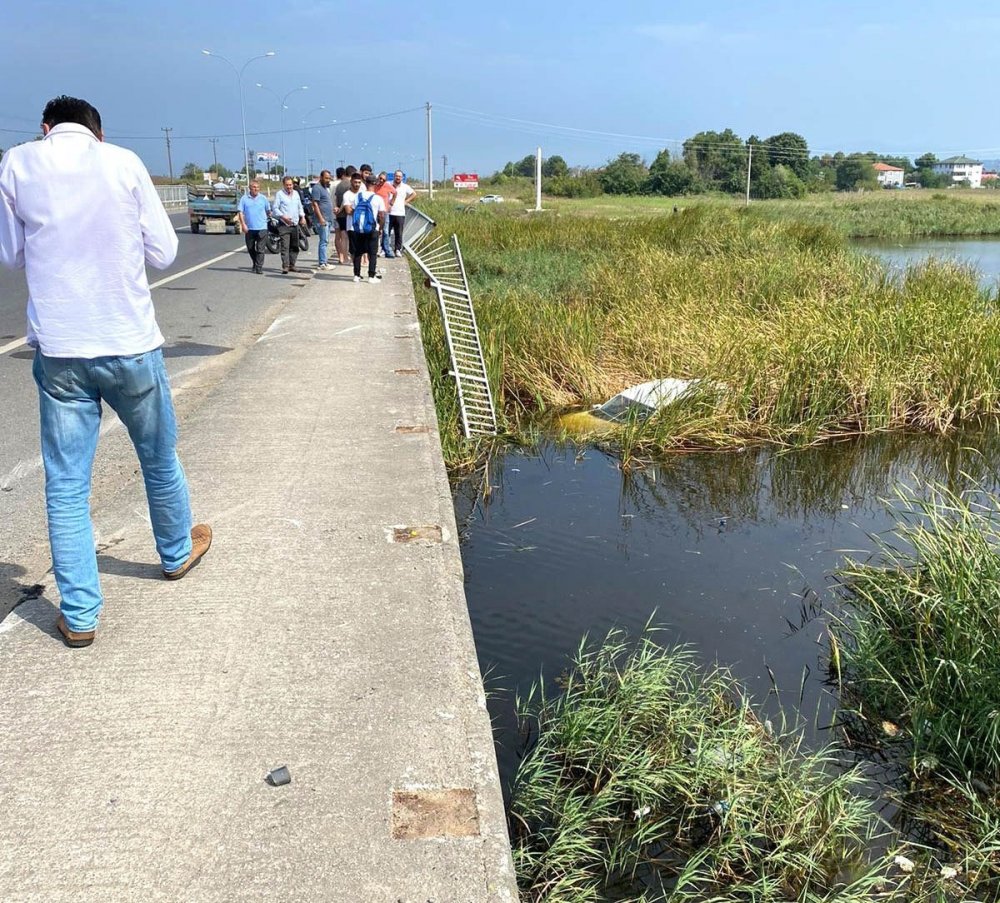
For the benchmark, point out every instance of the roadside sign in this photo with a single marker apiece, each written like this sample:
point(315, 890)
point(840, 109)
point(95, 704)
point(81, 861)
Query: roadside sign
point(466, 180)
point(267, 157)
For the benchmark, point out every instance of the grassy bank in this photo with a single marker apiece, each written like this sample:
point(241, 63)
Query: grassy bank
point(650, 779)
point(808, 339)
point(913, 213)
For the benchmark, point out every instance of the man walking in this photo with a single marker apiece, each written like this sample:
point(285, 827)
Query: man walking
point(254, 211)
point(397, 213)
point(384, 189)
point(92, 324)
point(287, 207)
point(323, 215)
point(364, 215)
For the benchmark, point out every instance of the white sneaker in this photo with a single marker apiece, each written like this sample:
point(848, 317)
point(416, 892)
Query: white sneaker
point(372, 279)
point(357, 278)
point(323, 266)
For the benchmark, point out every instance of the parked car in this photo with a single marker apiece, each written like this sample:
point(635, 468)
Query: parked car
point(491, 199)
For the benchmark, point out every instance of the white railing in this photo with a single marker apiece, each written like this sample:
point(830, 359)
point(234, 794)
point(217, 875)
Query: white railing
point(173, 195)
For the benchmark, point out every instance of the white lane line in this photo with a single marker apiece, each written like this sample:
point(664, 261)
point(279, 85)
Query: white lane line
point(11, 346)
point(195, 268)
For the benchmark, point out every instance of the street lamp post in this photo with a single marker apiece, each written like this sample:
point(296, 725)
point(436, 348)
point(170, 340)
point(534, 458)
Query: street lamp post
point(284, 106)
point(322, 106)
point(243, 111)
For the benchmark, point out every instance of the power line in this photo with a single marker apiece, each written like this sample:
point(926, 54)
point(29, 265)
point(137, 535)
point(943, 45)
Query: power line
point(328, 125)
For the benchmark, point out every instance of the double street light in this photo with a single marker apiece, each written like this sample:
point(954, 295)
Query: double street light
point(284, 106)
point(243, 112)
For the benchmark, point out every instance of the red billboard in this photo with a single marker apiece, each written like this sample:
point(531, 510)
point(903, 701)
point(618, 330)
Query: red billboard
point(466, 179)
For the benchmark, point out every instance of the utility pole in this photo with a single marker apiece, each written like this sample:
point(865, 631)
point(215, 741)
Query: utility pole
point(170, 163)
point(215, 156)
point(430, 156)
point(538, 179)
point(444, 168)
point(749, 163)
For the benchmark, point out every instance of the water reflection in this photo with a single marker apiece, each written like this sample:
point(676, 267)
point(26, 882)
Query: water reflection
point(983, 255)
point(732, 551)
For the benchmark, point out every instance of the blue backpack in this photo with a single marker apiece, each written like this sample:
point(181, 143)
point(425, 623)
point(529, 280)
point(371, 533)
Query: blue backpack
point(364, 216)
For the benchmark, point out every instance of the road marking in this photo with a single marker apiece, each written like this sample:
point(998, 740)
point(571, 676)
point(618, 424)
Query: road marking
point(193, 269)
point(11, 346)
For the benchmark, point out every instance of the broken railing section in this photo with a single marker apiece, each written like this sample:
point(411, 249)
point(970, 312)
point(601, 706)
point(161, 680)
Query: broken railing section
point(441, 261)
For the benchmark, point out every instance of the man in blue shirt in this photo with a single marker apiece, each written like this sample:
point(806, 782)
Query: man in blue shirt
point(322, 203)
point(287, 208)
point(254, 211)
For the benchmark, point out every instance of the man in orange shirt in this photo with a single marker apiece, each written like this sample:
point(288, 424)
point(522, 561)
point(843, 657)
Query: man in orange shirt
point(385, 190)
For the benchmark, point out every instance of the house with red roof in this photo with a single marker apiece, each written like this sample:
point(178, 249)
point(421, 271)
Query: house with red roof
point(888, 176)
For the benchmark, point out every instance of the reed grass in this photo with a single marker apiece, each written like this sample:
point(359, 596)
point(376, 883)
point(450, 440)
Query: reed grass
point(651, 779)
point(923, 646)
point(810, 339)
point(920, 659)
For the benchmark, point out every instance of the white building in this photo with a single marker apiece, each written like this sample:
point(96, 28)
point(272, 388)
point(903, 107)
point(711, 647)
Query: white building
point(888, 176)
point(961, 169)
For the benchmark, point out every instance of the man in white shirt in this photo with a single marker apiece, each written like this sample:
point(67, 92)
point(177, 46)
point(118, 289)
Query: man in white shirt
point(82, 217)
point(397, 213)
point(365, 213)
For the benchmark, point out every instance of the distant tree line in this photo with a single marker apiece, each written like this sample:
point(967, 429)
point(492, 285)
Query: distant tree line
point(780, 167)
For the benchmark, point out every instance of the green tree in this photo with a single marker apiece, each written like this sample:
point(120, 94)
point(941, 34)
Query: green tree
point(670, 177)
point(856, 172)
point(554, 167)
point(626, 174)
point(525, 166)
point(222, 171)
point(718, 159)
point(584, 184)
point(788, 149)
point(925, 161)
point(192, 172)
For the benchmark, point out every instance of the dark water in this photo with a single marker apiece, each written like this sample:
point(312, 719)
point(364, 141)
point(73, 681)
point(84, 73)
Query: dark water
point(981, 253)
point(732, 553)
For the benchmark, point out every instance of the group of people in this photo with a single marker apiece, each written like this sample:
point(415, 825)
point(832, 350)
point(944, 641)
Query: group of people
point(365, 213)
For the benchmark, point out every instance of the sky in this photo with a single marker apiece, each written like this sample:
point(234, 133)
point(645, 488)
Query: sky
point(585, 80)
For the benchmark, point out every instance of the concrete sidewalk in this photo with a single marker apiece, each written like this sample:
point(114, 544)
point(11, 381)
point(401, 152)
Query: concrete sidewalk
point(310, 636)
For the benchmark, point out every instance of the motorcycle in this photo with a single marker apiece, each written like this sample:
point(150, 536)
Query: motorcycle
point(273, 243)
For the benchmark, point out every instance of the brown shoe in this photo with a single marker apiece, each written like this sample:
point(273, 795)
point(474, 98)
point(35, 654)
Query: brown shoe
point(201, 542)
point(75, 638)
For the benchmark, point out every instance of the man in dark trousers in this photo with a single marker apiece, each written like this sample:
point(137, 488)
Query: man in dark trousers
point(254, 212)
point(287, 209)
point(93, 328)
point(365, 213)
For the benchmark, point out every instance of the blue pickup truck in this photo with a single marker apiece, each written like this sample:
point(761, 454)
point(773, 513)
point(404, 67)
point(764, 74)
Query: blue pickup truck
point(213, 209)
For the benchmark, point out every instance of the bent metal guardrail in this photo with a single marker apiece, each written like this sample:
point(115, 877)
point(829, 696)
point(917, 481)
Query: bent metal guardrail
point(441, 261)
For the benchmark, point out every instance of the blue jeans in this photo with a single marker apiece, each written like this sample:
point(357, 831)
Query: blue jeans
point(387, 238)
point(70, 392)
point(323, 239)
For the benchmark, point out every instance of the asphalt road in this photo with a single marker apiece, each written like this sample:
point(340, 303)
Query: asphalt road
point(209, 310)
